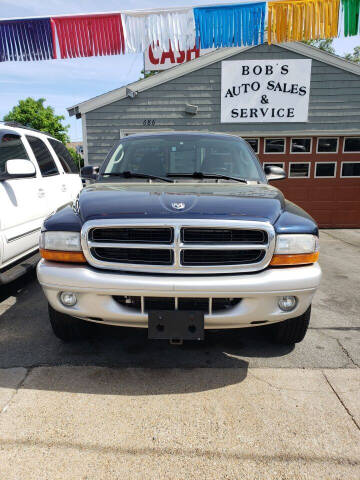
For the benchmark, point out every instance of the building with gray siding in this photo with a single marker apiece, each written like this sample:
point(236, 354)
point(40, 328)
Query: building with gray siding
point(321, 154)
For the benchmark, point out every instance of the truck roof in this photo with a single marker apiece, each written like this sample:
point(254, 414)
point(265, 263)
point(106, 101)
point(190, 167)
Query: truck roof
point(21, 129)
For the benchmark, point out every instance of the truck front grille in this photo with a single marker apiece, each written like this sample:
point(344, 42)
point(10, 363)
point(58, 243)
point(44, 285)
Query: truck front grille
point(223, 235)
point(179, 247)
point(132, 235)
point(134, 255)
point(218, 257)
point(206, 305)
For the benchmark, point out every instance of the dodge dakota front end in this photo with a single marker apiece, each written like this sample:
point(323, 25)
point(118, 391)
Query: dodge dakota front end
point(180, 233)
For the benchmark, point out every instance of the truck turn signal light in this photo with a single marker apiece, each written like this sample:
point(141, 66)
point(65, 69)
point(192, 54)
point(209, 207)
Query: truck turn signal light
point(296, 259)
point(57, 256)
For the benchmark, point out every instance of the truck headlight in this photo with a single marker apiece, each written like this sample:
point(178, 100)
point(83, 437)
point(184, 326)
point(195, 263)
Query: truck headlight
point(61, 247)
point(295, 249)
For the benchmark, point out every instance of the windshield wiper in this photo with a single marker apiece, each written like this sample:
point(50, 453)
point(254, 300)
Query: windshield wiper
point(208, 175)
point(128, 174)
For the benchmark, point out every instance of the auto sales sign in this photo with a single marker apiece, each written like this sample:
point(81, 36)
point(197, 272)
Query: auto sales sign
point(259, 91)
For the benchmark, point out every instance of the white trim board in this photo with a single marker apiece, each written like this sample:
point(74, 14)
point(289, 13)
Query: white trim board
point(84, 133)
point(201, 62)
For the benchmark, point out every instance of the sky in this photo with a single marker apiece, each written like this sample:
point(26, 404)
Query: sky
point(64, 83)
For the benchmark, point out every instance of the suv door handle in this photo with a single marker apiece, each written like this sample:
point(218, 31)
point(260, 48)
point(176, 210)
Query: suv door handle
point(41, 193)
point(63, 188)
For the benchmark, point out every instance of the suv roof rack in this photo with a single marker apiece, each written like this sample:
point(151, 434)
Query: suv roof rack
point(20, 125)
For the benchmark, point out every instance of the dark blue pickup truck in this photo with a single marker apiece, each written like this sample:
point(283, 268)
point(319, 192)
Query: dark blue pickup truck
point(179, 233)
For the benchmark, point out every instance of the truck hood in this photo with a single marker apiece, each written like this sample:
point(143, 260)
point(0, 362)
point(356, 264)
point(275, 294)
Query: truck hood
point(186, 200)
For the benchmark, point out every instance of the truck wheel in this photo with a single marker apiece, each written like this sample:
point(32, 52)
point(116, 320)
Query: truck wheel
point(292, 330)
point(68, 329)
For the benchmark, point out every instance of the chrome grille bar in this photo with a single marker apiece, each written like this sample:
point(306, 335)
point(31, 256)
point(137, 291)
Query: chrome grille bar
point(177, 246)
point(187, 246)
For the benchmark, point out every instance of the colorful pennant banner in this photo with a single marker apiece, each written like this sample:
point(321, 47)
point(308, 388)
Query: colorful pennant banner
point(178, 29)
point(231, 25)
point(300, 20)
point(351, 10)
point(89, 35)
point(175, 29)
point(26, 40)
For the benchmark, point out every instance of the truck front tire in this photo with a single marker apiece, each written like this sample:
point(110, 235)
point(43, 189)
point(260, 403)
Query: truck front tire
point(292, 330)
point(68, 329)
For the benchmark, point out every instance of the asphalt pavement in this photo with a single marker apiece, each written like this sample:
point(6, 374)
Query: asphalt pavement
point(233, 407)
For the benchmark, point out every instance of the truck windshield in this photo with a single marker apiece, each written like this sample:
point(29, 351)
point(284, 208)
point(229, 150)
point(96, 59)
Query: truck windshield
point(176, 154)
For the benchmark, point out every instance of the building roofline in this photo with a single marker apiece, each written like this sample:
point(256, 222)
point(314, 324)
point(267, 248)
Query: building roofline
point(154, 80)
point(203, 61)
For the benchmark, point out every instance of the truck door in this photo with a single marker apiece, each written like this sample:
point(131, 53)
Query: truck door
point(70, 178)
point(22, 205)
point(54, 189)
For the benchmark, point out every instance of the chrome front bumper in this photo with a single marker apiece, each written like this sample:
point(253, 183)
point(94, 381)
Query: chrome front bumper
point(259, 293)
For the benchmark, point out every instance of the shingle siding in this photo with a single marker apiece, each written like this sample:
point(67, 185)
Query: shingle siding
point(334, 104)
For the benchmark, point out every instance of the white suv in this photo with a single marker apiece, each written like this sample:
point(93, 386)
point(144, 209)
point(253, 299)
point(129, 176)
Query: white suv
point(37, 176)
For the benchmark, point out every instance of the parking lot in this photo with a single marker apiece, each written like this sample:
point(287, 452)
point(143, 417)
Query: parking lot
point(333, 341)
point(124, 405)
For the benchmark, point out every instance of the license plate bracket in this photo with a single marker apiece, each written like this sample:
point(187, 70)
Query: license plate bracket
point(176, 325)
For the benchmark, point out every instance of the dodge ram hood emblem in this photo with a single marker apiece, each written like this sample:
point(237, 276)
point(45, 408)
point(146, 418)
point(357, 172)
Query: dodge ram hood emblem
point(178, 205)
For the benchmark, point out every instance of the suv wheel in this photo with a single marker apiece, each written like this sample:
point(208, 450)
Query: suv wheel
point(292, 330)
point(68, 329)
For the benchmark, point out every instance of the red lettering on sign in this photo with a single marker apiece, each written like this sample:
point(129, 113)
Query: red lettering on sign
point(181, 57)
point(153, 60)
point(170, 55)
point(193, 50)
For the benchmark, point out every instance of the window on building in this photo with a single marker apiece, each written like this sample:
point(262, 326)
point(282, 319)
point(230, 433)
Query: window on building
point(274, 145)
point(254, 143)
point(273, 164)
point(327, 145)
point(350, 169)
point(11, 148)
point(325, 169)
point(64, 156)
point(352, 144)
point(299, 170)
point(301, 145)
point(43, 156)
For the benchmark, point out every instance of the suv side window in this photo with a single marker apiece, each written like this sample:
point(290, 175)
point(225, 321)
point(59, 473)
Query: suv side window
point(11, 148)
point(64, 156)
point(43, 156)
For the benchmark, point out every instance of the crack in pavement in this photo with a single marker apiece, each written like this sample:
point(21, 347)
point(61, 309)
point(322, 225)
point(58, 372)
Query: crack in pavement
point(342, 403)
point(343, 349)
point(347, 353)
point(205, 453)
point(17, 388)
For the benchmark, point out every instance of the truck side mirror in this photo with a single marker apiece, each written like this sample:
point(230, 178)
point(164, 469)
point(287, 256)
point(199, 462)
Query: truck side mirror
point(273, 172)
point(18, 168)
point(89, 172)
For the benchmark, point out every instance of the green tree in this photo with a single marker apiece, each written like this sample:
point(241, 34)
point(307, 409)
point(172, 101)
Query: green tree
point(76, 157)
point(32, 113)
point(148, 74)
point(355, 56)
point(326, 45)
